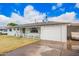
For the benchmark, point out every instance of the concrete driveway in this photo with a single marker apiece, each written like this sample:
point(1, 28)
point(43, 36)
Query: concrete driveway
point(43, 48)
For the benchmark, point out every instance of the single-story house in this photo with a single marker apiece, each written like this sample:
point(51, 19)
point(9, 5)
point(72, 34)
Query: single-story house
point(51, 30)
point(55, 31)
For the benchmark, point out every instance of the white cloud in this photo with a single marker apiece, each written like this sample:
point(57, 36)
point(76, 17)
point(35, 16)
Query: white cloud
point(3, 20)
point(29, 8)
point(15, 10)
point(67, 17)
point(77, 5)
point(62, 9)
point(59, 4)
point(31, 15)
point(16, 18)
point(2, 17)
point(54, 7)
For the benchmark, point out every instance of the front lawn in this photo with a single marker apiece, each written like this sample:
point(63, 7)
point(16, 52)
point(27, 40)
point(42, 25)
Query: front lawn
point(9, 43)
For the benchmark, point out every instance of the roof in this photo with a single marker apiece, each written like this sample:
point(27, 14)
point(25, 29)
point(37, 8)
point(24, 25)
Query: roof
point(6, 27)
point(3, 27)
point(41, 24)
point(74, 24)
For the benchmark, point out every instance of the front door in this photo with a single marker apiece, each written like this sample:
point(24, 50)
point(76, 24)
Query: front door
point(23, 31)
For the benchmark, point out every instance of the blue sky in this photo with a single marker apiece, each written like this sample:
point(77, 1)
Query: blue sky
point(7, 8)
point(10, 12)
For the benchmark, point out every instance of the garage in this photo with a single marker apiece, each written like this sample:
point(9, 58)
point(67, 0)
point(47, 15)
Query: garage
point(56, 32)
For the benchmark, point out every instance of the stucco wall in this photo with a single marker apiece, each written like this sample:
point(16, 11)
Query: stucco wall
point(54, 32)
point(11, 33)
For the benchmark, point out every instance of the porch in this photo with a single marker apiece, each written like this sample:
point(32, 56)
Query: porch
point(29, 32)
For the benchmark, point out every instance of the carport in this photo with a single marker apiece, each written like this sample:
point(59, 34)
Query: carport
point(73, 36)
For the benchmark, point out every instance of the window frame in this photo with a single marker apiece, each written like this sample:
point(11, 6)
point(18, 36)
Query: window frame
point(33, 30)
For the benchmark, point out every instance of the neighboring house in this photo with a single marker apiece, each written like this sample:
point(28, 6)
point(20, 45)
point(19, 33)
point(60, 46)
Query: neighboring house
point(3, 30)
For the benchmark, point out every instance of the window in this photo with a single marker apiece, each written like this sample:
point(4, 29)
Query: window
point(34, 30)
point(10, 29)
point(5, 30)
point(17, 28)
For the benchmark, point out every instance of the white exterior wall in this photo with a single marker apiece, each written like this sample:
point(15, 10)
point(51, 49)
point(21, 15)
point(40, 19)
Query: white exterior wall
point(18, 32)
point(64, 33)
point(54, 32)
point(11, 33)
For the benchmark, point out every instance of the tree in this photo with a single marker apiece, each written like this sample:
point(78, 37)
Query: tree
point(12, 24)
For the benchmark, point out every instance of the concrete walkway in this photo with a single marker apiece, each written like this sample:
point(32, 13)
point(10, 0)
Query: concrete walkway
point(43, 48)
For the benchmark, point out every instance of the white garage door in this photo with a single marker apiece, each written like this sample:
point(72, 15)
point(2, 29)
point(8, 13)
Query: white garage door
point(54, 32)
